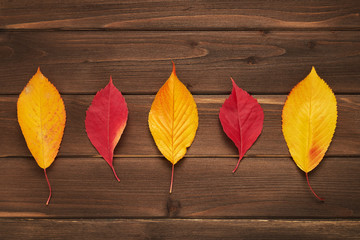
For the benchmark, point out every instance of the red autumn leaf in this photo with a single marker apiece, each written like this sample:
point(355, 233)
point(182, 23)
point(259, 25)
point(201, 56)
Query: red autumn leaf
point(106, 120)
point(242, 118)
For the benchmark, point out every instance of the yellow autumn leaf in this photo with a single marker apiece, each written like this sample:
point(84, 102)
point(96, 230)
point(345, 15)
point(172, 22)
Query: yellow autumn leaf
point(309, 120)
point(41, 116)
point(173, 120)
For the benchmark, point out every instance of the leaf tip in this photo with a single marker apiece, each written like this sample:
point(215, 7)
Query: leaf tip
point(111, 83)
point(39, 73)
point(233, 82)
point(174, 69)
point(313, 71)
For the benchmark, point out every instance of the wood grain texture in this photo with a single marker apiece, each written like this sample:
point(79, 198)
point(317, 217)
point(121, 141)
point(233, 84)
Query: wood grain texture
point(178, 229)
point(180, 15)
point(266, 46)
point(210, 139)
point(78, 62)
point(203, 188)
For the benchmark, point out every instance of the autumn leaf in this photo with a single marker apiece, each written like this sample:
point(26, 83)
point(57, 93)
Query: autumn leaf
point(173, 120)
point(309, 122)
point(42, 117)
point(106, 120)
point(242, 118)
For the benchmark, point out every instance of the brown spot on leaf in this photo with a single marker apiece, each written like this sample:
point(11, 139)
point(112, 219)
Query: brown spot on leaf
point(315, 153)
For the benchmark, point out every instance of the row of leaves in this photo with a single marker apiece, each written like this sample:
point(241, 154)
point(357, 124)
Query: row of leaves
point(309, 120)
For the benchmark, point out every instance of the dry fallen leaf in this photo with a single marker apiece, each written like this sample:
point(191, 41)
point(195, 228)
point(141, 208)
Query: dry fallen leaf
point(309, 121)
point(173, 120)
point(42, 117)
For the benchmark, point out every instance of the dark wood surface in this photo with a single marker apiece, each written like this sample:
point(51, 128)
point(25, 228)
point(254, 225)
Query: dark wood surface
point(174, 229)
point(266, 46)
point(203, 188)
point(180, 15)
point(81, 62)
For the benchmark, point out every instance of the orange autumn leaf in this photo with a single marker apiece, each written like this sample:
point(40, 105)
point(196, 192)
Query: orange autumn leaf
point(309, 121)
point(173, 120)
point(41, 116)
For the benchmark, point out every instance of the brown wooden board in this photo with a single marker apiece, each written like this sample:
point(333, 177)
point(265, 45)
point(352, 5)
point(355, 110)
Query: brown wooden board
point(203, 188)
point(180, 15)
point(177, 229)
point(140, 62)
point(210, 139)
point(266, 46)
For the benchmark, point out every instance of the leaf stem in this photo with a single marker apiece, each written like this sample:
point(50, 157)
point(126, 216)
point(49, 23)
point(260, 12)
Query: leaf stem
point(47, 179)
point(113, 169)
point(319, 198)
point(172, 178)
point(237, 165)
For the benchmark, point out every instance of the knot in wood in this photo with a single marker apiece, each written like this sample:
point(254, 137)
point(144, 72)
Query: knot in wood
point(311, 44)
point(173, 207)
point(251, 60)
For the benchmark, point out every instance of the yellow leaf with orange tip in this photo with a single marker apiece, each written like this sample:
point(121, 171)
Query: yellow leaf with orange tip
point(309, 121)
point(41, 116)
point(173, 120)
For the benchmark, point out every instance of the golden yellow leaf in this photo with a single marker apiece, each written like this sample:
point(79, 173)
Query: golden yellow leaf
point(41, 116)
point(173, 120)
point(309, 121)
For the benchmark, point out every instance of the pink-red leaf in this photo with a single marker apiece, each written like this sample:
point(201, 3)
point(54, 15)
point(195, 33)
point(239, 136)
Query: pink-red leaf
point(106, 120)
point(242, 118)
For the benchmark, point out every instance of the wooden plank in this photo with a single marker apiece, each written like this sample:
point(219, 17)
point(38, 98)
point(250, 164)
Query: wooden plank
point(210, 139)
point(177, 229)
point(180, 15)
point(261, 62)
point(203, 187)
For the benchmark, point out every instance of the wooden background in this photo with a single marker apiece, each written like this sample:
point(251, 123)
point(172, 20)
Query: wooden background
point(266, 46)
